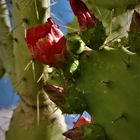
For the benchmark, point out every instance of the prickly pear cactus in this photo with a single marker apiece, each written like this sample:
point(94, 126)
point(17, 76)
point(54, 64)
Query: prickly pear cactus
point(95, 68)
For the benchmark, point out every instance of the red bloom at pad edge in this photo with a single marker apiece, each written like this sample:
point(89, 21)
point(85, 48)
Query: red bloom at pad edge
point(47, 43)
point(85, 18)
point(76, 133)
point(81, 121)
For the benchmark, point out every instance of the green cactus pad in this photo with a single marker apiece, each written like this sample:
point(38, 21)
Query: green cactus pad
point(114, 4)
point(94, 132)
point(112, 91)
point(134, 42)
point(75, 102)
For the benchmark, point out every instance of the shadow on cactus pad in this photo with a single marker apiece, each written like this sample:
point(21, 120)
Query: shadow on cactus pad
point(86, 132)
point(66, 99)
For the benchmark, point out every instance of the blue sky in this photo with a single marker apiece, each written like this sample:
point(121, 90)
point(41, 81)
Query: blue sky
point(61, 13)
point(8, 97)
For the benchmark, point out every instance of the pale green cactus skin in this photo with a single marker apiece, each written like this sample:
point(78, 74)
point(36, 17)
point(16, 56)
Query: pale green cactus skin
point(46, 123)
point(27, 78)
point(6, 48)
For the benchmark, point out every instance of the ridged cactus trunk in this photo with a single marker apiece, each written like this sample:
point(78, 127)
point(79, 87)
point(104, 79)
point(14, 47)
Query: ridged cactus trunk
point(93, 69)
point(36, 116)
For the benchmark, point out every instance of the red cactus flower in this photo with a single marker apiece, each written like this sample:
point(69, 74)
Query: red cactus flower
point(76, 133)
point(85, 18)
point(81, 121)
point(47, 43)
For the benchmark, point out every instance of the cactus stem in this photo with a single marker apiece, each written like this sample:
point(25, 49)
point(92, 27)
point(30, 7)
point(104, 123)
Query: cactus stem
point(121, 116)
